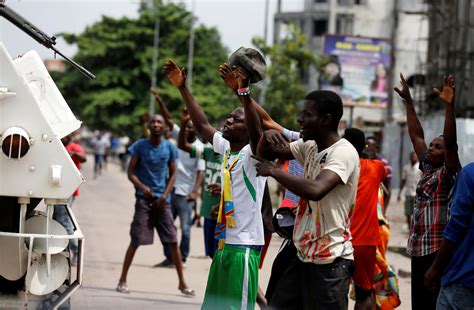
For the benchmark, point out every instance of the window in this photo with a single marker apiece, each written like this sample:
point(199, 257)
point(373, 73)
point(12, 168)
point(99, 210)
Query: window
point(344, 23)
point(320, 26)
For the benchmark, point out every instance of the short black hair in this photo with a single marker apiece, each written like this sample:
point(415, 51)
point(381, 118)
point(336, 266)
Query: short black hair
point(356, 137)
point(327, 102)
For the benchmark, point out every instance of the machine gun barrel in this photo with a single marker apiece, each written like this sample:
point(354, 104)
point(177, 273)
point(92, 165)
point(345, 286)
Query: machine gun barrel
point(41, 37)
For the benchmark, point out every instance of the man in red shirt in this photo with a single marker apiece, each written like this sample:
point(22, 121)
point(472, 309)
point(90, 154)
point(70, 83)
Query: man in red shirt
point(78, 156)
point(365, 226)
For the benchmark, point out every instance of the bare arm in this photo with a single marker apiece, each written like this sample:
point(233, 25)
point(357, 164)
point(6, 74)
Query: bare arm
point(252, 122)
point(78, 156)
point(274, 144)
point(163, 109)
point(415, 129)
point(183, 143)
point(134, 179)
point(227, 74)
point(177, 77)
point(447, 95)
point(314, 190)
point(197, 185)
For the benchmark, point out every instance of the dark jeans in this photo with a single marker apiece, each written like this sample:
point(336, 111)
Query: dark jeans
point(310, 286)
point(422, 297)
point(455, 296)
point(183, 209)
point(285, 256)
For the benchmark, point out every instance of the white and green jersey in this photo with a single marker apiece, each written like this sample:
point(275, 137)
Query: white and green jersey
point(247, 193)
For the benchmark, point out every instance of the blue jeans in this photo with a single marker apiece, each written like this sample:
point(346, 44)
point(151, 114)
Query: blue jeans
point(60, 214)
point(455, 296)
point(182, 208)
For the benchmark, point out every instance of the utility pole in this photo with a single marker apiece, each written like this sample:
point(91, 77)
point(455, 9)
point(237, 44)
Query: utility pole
point(154, 64)
point(189, 78)
point(265, 37)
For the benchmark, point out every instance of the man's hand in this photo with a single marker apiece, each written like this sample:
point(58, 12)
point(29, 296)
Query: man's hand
point(192, 196)
point(404, 93)
point(214, 211)
point(184, 117)
point(158, 203)
point(228, 75)
point(147, 192)
point(214, 189)
point(155, 93)
point(432, 277)
point(446, 94)
point(175, 75)
point(242, 77)
point(264, 167)
point(278, 140)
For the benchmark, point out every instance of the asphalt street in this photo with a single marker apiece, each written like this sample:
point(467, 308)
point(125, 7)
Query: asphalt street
point(104, 210)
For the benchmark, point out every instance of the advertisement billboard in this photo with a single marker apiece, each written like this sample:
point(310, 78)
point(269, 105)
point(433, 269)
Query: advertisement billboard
point(358, 69)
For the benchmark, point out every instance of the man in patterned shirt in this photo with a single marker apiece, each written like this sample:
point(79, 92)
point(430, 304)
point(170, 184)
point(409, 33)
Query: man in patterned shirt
point(439, 164)
point(319, 277)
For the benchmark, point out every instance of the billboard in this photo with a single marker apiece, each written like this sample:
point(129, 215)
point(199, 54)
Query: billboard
point(358, 69)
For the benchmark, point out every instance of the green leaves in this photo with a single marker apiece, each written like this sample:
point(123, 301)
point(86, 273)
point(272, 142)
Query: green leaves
point(119, 52)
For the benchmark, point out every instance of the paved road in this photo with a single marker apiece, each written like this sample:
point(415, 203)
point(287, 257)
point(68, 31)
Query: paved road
point(104, 211)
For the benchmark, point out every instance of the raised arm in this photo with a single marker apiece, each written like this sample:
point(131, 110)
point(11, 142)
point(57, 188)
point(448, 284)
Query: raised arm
point(183, 143)
point(227, 74)
point(252, 122)
point(447, 94)
point(177, 77)
point(415, 129)
point(273, 145)
point(163, 109)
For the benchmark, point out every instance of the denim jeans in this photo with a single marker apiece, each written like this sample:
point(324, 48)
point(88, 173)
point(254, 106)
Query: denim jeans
point(183, 209)
point(455, 296)
point(60, 214)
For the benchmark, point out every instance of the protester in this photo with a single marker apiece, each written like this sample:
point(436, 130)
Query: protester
point(99, 144)
point(439, 164)
point(189, 179)
point(233, 276)
point(210, 192)
point(410, 178)
point(78, 156)
point(365, 223)
point(374, 146)
point(152, 170)
point(455, 259)
point(319, 277)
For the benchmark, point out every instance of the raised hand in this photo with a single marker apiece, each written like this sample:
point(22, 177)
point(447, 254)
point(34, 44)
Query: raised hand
point(175, 75)
point(155, 93)
point(242, 77)
point(404, 93)
point(446, 94)
point(228, 75)
point(185, 117)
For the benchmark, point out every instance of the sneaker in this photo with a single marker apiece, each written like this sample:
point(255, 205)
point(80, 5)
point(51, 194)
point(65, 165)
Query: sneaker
point(164, 264)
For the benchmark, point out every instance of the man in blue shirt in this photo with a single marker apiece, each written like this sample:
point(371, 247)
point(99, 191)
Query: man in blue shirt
point(152, 170)
point(457, 249)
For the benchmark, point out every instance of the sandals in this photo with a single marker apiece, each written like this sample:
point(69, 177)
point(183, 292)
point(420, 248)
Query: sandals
point(122, 288)
point(188, 292)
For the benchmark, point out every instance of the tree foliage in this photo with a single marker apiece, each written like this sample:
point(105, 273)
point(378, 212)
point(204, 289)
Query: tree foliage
point(290, 61)
point(119, 52)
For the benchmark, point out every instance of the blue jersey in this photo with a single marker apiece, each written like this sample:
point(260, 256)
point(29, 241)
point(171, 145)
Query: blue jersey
point(152, 167)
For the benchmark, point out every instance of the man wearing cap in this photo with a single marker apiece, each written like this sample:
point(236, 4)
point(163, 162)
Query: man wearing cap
point(233, 276)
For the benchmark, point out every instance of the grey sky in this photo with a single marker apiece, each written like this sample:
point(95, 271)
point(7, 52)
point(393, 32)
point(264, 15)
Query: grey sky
point(238, 21)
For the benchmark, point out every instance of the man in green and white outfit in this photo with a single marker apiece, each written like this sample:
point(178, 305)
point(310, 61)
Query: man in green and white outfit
point(233, 276)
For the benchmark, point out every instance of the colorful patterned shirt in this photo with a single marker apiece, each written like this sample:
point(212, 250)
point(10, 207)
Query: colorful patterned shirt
point(294, 167)
point(430, 213)
point(321, 232)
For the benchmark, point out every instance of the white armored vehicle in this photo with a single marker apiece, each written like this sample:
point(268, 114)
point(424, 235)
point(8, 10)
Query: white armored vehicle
point(35, 268)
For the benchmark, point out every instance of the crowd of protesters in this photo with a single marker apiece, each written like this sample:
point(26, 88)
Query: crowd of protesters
point(336, 193)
